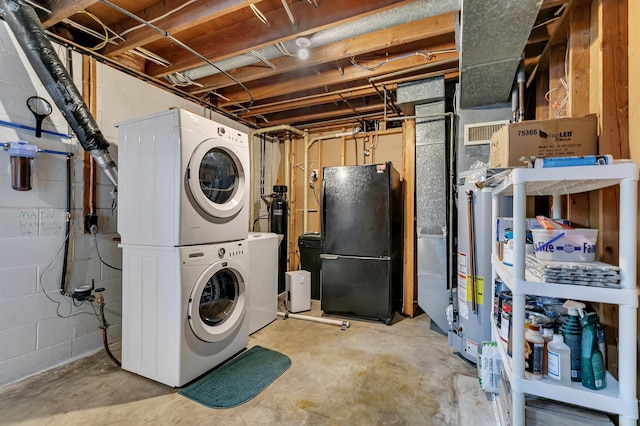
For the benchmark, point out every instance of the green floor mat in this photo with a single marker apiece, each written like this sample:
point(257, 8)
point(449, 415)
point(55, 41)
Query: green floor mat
point(238, 380)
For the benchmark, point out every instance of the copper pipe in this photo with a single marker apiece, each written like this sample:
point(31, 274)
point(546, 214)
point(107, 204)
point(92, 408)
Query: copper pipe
point(472, 261)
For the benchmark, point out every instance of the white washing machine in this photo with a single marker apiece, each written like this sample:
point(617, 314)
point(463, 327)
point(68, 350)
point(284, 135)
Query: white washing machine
point(184, 309)
point(263, 279)
point(183, 180)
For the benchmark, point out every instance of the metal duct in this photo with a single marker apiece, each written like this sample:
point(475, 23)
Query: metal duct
point(389, 18)
point(493, 35)
point(26, 27)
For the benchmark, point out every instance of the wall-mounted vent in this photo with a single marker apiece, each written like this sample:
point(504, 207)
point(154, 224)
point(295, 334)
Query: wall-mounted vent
point(479, 133)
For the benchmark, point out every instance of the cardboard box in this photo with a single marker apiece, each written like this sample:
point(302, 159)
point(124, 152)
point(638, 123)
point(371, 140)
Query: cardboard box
point(560, 137)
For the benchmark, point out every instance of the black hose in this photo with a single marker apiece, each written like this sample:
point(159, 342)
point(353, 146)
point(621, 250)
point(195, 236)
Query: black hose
point(26, 27)
point(63, 279)
point(104, 325)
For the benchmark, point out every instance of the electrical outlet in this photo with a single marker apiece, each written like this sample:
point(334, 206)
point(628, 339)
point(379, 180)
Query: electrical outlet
point(90, 220)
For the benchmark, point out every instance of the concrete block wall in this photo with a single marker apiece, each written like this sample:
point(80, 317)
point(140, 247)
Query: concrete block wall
point(40, 328)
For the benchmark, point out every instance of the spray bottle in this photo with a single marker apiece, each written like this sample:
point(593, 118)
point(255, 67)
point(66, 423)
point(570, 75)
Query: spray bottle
point(594, 374)
point(571, 330)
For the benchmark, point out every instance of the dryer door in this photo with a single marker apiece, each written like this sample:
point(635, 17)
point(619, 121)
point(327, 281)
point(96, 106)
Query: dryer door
point(218, 302)
point(217, 179)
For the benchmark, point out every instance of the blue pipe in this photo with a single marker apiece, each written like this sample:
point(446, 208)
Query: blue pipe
point(49, 151)
point(22, 126)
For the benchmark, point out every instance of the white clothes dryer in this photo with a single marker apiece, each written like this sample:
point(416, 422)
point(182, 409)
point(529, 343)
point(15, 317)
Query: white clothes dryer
point(183, 180)
point(184, 309)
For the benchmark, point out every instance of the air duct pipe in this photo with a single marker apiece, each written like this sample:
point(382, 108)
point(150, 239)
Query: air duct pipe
point(400, 15)
point(26, 27)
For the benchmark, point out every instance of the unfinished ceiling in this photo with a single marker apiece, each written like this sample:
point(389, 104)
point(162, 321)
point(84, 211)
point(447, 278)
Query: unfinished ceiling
point(240, 56)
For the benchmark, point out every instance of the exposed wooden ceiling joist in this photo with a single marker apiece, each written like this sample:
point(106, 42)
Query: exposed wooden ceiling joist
point(251, 34)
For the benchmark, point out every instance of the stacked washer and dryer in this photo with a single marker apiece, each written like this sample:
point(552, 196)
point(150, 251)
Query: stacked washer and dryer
point(183, 222)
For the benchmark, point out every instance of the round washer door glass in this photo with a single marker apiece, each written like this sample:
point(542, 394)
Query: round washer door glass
point(216, 179)
point(218, 298)
point(217, 303)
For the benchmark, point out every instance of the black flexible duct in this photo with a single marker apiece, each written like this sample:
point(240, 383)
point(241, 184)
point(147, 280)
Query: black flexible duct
point(26, 27)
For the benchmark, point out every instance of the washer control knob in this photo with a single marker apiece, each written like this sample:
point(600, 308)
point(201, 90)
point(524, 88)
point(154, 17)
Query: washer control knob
point(221, 252)
point(221, 131)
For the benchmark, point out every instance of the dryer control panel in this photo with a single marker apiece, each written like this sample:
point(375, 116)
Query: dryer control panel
point(231, 135)
point(211, 253)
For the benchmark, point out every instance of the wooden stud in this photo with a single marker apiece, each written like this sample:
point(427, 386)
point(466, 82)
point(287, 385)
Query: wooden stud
point(409, 179)
point(88, 163)
point(579, 83)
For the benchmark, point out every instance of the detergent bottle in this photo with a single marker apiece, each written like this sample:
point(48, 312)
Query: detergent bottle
point(571, 331)
point(533, 351)
point(594, 374)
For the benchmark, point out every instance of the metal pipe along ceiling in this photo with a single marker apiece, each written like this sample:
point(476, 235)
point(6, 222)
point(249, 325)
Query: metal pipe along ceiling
point(26, 27)
point(418, 10)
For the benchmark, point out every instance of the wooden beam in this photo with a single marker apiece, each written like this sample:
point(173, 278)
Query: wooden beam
point(542, 87)
point(309, 101)
point(558, 37)
point(578, 104)
point(326, 115)
point(556, 74)
point(409, 178)
point(424, 29)
point(614, 140)
point(251, 34)
point(63, 9)
point(89, 181)
point(190, 16)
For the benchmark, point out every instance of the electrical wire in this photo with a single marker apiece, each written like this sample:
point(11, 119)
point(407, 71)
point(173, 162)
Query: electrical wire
point(427, 54)
point(259, 15)
point(104, 27)
point(156, 19)
point(559, 105)
point(283, 49)
point(263, 58)
point(95, 241)
point(58, 303)
point(264, 216)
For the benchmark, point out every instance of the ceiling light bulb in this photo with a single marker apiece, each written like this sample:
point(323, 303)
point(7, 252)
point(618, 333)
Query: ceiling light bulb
point(303, 53)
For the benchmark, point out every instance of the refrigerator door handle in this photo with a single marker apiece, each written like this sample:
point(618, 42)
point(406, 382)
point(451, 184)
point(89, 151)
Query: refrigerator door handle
point(337, 256)
point(322, 212)
point(329, 256)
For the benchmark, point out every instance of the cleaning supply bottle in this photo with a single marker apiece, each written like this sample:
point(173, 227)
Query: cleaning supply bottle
point(547, 335)
point(572, 333)
point(533, 351)
point(559, 360)
point(593, 369)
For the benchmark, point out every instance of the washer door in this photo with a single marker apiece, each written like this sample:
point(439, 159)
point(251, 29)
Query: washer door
point(217, 304)
point(217, 179)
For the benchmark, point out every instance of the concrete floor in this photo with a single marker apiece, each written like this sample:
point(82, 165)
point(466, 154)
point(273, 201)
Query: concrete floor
point(370, 374)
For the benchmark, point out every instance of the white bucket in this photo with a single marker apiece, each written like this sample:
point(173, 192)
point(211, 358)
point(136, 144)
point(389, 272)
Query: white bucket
point(565, 245)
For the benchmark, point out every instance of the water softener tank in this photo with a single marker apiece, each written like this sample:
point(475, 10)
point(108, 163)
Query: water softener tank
point(278, 218)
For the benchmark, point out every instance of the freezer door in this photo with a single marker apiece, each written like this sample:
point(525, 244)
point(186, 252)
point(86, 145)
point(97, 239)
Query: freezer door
point(360, 287)
point(356, 217)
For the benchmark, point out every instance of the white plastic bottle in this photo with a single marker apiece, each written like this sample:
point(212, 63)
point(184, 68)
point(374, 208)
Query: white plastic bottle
point(559, 360)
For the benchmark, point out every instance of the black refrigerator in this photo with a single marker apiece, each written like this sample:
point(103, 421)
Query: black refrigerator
point(362, 236)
